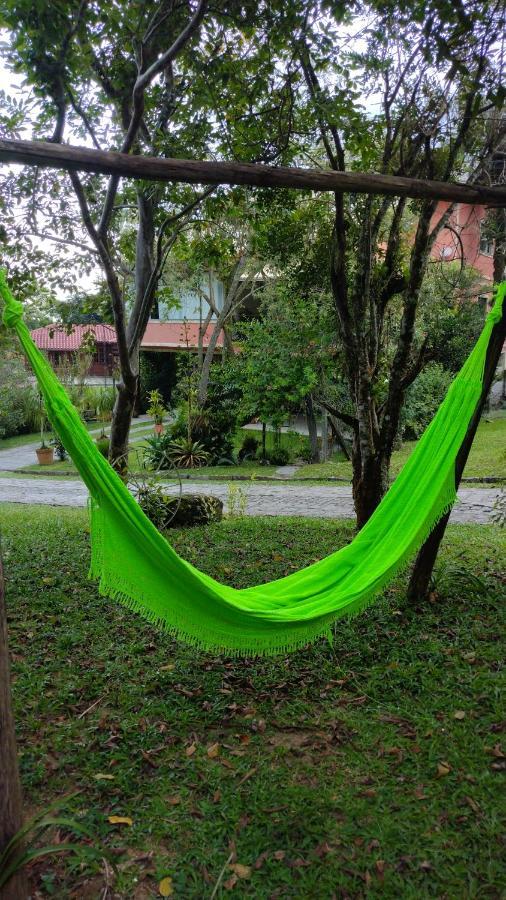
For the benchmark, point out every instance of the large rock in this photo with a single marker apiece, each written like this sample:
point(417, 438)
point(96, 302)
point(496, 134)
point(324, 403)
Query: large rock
point(167, 511)
point(193, 509)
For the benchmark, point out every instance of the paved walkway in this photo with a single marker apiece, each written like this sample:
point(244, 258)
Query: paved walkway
point(21, 457)
point(263, 499)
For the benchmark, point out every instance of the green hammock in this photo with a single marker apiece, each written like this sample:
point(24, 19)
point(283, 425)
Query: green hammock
point(134, 563)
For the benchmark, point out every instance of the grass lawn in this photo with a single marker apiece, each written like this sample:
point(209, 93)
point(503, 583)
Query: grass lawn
point(487, 456)
point(373, 767)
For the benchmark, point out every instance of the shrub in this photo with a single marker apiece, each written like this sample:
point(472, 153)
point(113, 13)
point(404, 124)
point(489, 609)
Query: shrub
point(156, 453)
point(15, 393)
point(103, 445)
point(59, 449)
point(187, 454)
point(249, 447)
point(279, 456)
point(423, 398)
point(207, 432)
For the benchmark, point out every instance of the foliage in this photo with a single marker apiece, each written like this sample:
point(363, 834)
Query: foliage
point(423, 398)
point(332, 753)
point(214, 440)
point(103, 445)
point(59, 449)
point(156, 409)
point(451, 314)
point(249, 448)
point(156, 450)
point(24, 847)
point(499, 514)
point(283, 355)
point(157, 372)
point(279, 456)
point(187, 453)
point(15, 392)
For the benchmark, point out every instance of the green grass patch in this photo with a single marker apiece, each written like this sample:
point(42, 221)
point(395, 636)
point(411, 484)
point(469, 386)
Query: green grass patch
point(338, 771)
point(487, 456)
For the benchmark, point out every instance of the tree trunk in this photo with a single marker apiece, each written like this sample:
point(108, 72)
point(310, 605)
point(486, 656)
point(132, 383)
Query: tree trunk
point(145, 287)
point(339, 436)
point(206, 365)
point(312, 430)
point(10, 788)
point(325, 436)
point(369, 483)
point(418, 587)
point(120, 426)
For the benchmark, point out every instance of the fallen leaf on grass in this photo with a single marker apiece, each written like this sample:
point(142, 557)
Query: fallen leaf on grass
point(120, 820)
point(103, 776)
point(459, 714)
point(174, 801)
point(191, 749)
point(213, 751)
point(279, 855)
point(165, 887)
point(473, 804)
point(443, 768)
point(240, 870)
point(496, 751)
point(167, 668)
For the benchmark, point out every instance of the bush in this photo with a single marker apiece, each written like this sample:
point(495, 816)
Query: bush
point(279, 456)
point(156, 452)
point(59, 449)
point(423, 398)
point(15, 396)
point(103, 445)
point(249, 448)
point(208, 433)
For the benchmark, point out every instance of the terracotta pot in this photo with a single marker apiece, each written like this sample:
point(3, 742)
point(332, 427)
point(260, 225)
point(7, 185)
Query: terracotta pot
point(45, 456)
point(159, 428)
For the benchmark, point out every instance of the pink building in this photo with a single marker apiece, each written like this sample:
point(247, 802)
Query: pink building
point(465, 238)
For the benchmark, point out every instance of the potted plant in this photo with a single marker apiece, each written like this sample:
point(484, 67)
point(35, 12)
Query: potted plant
point(45, 453)
point(157, 410)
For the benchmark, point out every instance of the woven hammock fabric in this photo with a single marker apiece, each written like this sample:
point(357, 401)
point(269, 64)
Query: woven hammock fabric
point(134, 563)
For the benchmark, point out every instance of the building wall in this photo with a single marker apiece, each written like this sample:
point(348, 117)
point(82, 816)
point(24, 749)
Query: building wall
point(466, 221)
point(192, 307)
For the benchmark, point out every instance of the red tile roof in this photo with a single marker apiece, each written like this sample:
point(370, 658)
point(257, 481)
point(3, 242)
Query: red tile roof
point(158, 336)
point(176, 336)
point(56, 337)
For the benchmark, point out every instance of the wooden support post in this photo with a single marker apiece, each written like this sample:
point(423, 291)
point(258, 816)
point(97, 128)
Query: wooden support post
point(420, 578)
point(193, 171)
point(11, 813)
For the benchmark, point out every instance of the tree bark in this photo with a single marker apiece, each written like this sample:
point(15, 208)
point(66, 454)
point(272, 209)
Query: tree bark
point(11, 813)
point(312, 430)
point(190, 171)
point(419, 583)
point(369, 482)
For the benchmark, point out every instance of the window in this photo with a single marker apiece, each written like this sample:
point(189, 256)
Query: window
point(486, 242)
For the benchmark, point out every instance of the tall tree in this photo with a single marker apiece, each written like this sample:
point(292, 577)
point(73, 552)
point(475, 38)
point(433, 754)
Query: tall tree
point(426, 78)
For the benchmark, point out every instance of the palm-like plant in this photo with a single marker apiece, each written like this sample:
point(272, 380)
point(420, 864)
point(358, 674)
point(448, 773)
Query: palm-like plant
point(22, 848)
point(187, 454)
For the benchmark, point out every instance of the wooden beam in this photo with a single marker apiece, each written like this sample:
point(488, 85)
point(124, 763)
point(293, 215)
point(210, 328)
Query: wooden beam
point(65, 156)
